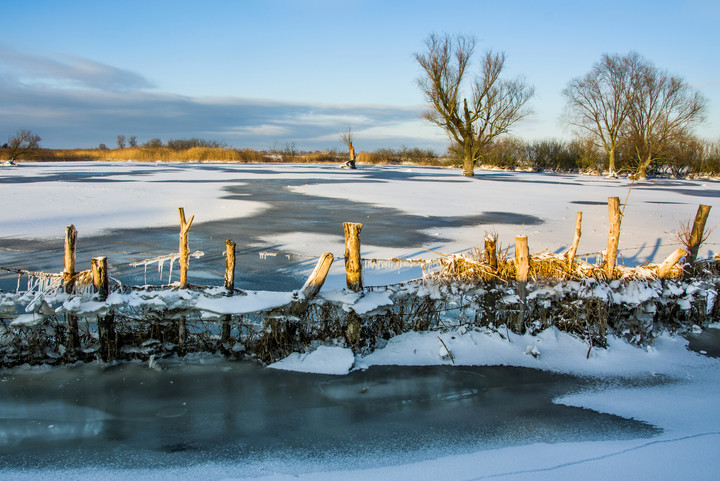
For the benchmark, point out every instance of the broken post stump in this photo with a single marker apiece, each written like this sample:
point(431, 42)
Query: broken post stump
point(353, 265)
point(665, 268)
point(313, 284)
point(614, 220)
point(317, 277)
point(184, 248)
point(697, 233)
point(229, 266)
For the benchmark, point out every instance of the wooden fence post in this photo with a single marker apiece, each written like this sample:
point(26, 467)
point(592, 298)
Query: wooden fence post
point(69, 270)
point(522, 258)
point(184, 249)
point(491, 251)
point(69, 281)
point(229, 266)
point(614, 220)
point(522, 268)
point(353, 265)
point(570, 255)
point(100, 276)
point(698, 230)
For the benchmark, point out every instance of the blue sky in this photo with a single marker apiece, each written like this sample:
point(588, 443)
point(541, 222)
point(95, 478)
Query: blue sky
point(268, 73)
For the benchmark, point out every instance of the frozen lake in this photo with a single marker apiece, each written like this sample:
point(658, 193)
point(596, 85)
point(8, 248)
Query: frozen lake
point(618, 413)
point(128, 212)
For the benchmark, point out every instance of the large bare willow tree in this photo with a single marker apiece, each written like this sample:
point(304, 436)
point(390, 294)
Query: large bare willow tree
point(665, 109)
point(599, 103)
point(628, 103)
point(495, 104)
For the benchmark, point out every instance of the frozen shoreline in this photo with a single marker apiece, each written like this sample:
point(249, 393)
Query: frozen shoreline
point(686, 409)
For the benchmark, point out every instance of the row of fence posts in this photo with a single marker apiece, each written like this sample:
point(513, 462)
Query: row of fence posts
point(353, 264)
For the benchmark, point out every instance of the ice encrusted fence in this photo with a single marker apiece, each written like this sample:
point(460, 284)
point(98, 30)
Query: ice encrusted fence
point(70, 317)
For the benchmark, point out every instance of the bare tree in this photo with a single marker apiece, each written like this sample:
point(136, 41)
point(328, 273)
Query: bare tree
point(664, 111)
point(133, 141)
point(23, 143)
point(121, 141)
point(599, 103)
point(347, 139)
point(495, 104)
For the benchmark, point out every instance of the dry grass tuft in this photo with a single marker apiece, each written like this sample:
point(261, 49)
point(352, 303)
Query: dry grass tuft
point(474, 268)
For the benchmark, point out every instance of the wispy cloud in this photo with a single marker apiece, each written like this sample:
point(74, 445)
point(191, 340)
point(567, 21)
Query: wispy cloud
point(68, 72)
point(80, 103)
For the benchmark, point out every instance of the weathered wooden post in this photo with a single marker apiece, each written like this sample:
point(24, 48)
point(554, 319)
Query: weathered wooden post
point(614, 219)
point(491, 251)
point(353, 265)
point(229, 285)
point(106, 323)
point(100, 276)
point(698, 230)
point(570, 255)
point(522, 269)
point(69, 270)
point(229, 266)
point(184, 249)
point(522, 258)
point(69, 283)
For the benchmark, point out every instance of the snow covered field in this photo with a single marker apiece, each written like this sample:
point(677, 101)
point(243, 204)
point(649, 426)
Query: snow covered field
point(446, 213)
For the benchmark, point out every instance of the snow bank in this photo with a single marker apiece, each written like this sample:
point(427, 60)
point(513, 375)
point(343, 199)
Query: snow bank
point(323, 360)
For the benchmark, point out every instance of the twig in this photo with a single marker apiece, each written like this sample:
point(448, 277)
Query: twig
point(448, 350)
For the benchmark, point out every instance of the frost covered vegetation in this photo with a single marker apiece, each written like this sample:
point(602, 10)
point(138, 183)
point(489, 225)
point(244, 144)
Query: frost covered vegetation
point(268, 326)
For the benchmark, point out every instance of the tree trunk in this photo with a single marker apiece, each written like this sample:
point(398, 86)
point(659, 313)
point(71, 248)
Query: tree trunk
point(468, 164)
point(642, 170)
point(611, 163)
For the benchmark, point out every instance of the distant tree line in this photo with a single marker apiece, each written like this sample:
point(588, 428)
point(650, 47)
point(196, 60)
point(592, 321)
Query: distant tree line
point(172, 144)
point(690, 156)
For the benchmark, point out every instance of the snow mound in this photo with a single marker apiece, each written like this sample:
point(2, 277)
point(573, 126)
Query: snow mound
point(324, 360)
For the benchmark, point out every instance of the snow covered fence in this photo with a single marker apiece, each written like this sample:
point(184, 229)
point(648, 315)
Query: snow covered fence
point(84, 319)
point(139, 323)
